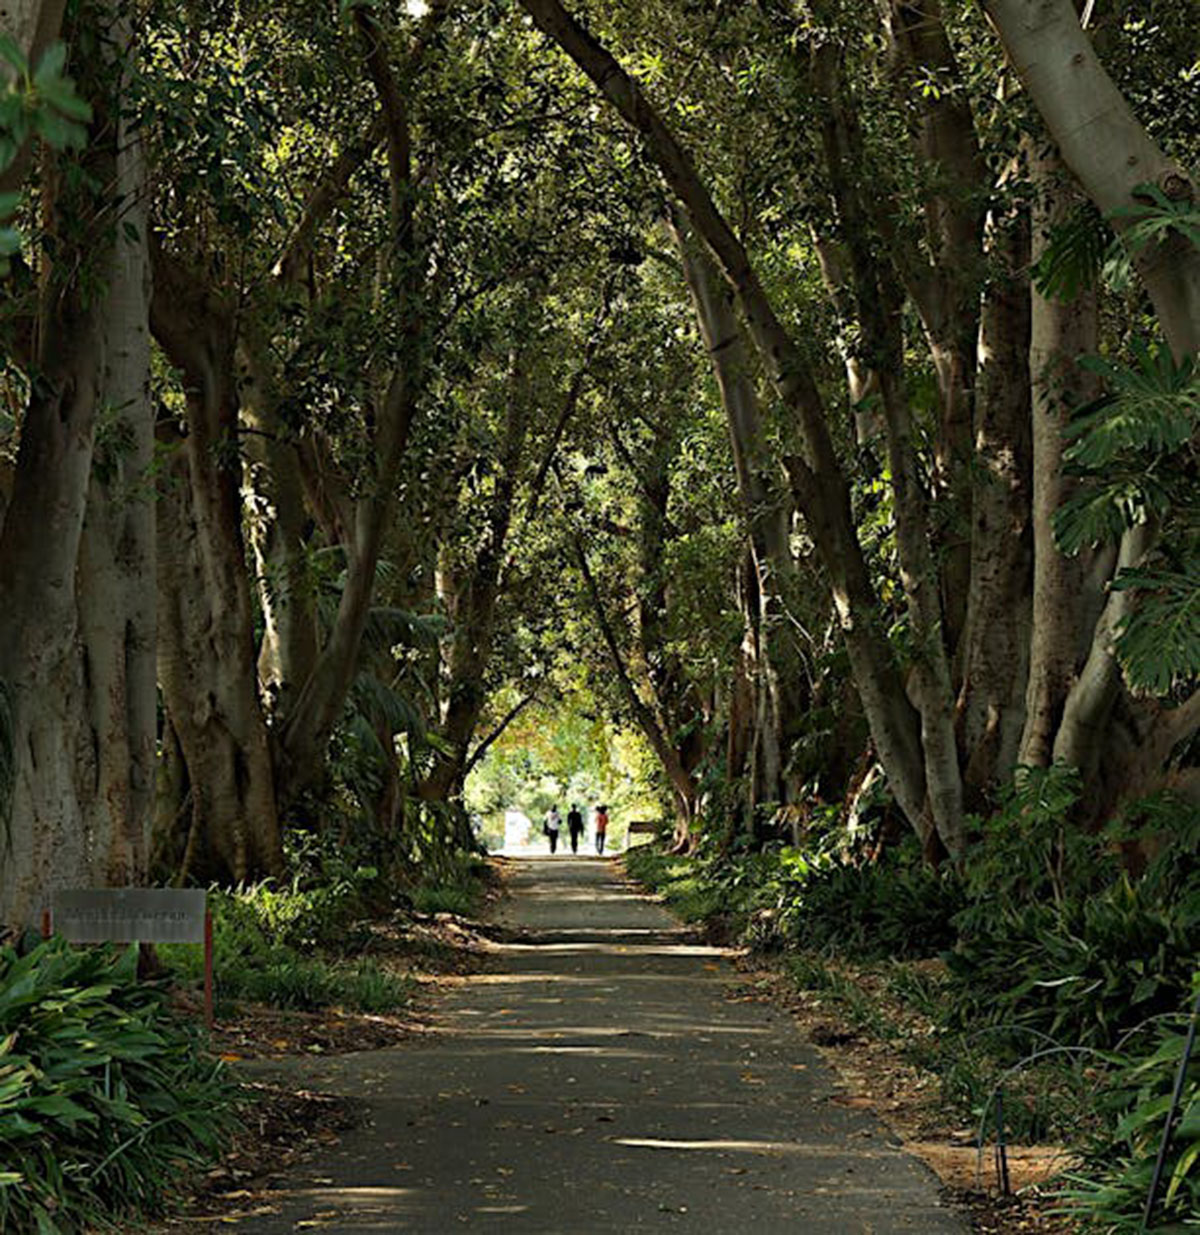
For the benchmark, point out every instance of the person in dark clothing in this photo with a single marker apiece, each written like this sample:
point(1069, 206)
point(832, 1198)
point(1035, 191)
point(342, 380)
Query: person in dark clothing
point(575, 826)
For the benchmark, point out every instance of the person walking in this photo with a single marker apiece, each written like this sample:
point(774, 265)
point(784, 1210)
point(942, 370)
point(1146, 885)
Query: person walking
point(551, 827)
point(601, 822)
point(575, 826)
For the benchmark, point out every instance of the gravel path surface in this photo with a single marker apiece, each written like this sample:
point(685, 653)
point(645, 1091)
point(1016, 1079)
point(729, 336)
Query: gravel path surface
point(601, 1076)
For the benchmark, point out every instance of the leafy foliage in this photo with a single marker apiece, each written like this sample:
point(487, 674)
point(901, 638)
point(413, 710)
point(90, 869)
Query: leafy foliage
point(1109, 1190)
point(1119, 446)
point(1074, 254)
point(103, 1096)
point(37, 103)
point(1155, 215)
point(1159, 642)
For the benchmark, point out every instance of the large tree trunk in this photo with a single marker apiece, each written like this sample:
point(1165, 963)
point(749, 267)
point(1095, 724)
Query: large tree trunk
point(945, 286)
point(991, 701)
point(1061, 331)
point(879, 303)
point(207, 659)
point(1102, 142)
point(44, 842)
point(774, 675)
point(206, 666)
point(76, 632)
point(115, 581)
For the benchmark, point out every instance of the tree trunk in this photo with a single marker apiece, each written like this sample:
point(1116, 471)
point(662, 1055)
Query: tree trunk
point(879, 303)
point(1102, 142)
point(1081, 737)
point(1061, 331)
point(75, 674)
point(991, 700)
point(945, 287)
point(206, 666)
point(207, 658)
point(286, 596)
point(115, 581)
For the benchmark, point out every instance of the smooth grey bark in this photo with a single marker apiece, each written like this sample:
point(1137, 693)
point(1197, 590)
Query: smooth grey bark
point(115, 580)
point(1103, 144)
point(1061, 331)
point(75, 633)
point(1080, 740)
point(991, 700)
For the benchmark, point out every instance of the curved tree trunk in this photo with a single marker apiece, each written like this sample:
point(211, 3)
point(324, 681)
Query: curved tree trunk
point(1101, 141)
point(207, 658)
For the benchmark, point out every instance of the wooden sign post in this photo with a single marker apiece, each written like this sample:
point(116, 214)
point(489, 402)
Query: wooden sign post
point(137, 915)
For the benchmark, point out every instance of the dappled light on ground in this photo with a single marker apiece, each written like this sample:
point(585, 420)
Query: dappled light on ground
point(596, 1083)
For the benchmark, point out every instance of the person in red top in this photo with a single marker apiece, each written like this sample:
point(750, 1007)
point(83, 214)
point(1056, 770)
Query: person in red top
point(601, 822)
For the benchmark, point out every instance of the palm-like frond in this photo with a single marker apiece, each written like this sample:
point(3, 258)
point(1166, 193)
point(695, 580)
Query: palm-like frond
point(1159, 643)
point(1153, 404)
point(385, 707)
point(388, 627)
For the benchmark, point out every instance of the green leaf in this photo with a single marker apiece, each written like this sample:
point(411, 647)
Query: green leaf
point(10, 52)
point(50, 67)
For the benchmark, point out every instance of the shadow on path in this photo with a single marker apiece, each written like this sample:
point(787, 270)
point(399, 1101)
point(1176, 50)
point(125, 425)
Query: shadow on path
point(599, 1077)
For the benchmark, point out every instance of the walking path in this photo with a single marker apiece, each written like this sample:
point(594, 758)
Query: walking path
point(599, 1078)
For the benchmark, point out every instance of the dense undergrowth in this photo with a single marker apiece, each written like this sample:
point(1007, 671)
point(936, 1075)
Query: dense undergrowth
point(104, 1095)
point(1058, 975)
point(307, 944)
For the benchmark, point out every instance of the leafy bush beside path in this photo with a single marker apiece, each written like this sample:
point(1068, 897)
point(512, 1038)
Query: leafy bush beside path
point(104, 1095)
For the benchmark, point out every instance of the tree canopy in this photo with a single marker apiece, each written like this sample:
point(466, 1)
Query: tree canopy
point(398, 392)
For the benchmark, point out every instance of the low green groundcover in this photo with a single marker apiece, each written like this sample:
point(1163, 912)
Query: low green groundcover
point(105, 1097)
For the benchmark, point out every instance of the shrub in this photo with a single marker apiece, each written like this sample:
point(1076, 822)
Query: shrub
point(894, 907)
point(103, 1095)
point(1110, 1190)
point(252, 959)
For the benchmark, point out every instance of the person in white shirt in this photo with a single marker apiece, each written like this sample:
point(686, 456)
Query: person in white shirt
point(552, 826)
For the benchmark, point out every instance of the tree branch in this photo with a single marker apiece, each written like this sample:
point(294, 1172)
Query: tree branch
point(487, 742)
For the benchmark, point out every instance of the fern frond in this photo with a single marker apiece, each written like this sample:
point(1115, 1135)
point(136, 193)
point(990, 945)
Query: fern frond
point(1074, 254)
point(1099, 513)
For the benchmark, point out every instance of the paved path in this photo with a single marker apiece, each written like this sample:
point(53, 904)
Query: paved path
point(600, 1078)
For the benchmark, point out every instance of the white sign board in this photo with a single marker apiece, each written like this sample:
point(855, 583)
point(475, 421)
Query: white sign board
point(130, 915)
